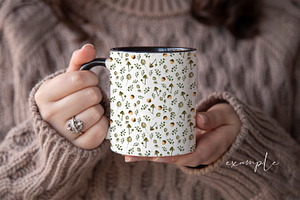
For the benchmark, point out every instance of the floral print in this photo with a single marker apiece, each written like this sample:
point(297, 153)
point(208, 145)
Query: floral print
point(152, 103)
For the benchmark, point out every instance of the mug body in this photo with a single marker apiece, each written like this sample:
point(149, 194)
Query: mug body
point(152, 101)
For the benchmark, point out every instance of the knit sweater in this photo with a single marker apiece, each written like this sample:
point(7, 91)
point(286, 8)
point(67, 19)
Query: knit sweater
point(258, 77)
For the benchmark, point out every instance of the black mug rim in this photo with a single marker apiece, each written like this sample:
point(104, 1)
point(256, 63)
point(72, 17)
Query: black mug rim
point(153, 49)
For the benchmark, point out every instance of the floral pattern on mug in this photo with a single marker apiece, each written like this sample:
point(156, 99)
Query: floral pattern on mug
point(152, 103)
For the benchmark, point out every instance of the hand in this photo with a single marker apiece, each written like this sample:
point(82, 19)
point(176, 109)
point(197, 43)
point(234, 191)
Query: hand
point(216, 130)
point(75, 93)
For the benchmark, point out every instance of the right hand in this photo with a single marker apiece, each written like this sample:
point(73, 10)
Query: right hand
point(75, 93)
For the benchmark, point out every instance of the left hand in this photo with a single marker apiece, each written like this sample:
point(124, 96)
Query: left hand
point(216, 130)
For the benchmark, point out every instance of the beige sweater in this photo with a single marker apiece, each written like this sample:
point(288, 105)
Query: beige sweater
point(259, 78)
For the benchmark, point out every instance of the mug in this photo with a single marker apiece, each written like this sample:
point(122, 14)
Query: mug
point(152, 100)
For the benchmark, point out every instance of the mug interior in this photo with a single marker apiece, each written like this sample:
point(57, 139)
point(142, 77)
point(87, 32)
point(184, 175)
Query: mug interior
point(153, 49)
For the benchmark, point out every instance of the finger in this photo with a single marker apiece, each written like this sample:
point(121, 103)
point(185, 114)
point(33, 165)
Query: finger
point(94, 136)
point(209, 148)
point(66, 84)
point(218, 115)
point(81, 56)
point(89, 117)
point(79, 101)
point(213, 144)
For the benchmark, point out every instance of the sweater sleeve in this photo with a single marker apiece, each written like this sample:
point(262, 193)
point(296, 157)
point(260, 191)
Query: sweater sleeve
point(262, 163)
point(36, 162)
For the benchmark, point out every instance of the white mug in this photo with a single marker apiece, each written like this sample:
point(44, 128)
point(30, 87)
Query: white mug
point(152, 100)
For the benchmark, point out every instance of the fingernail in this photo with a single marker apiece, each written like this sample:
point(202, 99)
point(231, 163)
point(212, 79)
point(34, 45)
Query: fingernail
point(158, 159)
point(131, 159)
point(87, 45)
point(203, 118)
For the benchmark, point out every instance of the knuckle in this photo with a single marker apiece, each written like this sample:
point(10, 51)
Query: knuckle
point(74, 53)
point(94, 95)
point(97, 111)
point(38, 96)
point(73, 56)
point(77, 79)
point(104, 124)
point(48, 114)
point(93, 77)
point(211, 120)
point(95, 138)
point(83, 78)
point(215, 119)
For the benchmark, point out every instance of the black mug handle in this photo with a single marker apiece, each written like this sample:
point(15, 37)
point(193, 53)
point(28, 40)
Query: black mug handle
point(93, 63)
point(90, 65)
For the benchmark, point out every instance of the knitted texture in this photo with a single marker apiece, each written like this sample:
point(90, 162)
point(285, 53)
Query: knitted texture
point(259, 78)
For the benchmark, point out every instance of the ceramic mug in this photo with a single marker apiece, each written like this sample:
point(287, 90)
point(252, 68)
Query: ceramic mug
point(152, 100)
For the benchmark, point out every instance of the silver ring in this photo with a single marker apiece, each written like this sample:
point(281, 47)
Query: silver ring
point(75, 125)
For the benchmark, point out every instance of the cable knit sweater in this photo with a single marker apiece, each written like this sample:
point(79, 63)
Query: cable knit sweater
point(259, 78)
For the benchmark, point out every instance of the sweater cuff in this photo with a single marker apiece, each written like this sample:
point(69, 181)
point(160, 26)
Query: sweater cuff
point(262, 161)
point(60, 157)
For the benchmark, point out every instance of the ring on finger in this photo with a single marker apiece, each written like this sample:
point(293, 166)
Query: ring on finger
point(75, 125)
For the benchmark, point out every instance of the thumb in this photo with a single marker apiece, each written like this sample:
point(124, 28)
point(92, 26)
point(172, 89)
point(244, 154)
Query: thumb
point(208, 120)
point(218, 115)
point(85, 54)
